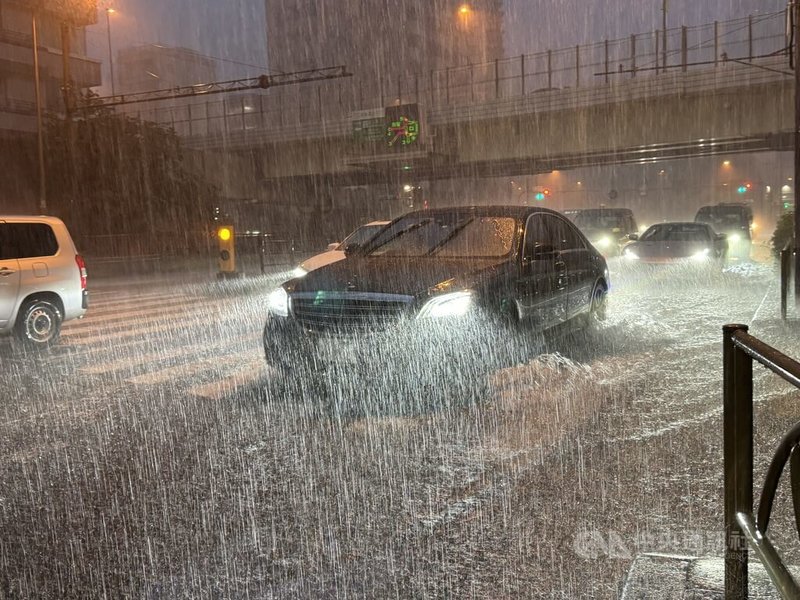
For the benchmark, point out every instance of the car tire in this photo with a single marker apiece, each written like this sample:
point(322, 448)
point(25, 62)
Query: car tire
point(39, 323)
point(599, 305)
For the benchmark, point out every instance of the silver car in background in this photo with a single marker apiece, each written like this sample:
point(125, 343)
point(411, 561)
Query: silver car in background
point(42, 279)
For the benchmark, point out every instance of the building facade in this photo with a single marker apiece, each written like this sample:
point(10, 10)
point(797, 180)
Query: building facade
point(19, 183)
point(382, 41)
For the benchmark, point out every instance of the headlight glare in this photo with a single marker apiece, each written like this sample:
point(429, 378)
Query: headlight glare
point(734, 237)
point(702, 255)
point(630, 254)
point(603, 242)
point(278, 303)
point(455, 304)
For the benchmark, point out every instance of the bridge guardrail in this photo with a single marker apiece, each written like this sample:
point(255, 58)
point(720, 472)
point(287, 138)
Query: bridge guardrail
point(744, 41)
point(742, 528)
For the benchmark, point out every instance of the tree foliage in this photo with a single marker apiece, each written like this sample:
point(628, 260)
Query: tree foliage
point(113, 174)
point(784, 231)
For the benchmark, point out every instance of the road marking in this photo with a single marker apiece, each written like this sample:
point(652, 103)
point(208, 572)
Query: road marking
point(212, 363)
point(252, 370)
point(92, 326)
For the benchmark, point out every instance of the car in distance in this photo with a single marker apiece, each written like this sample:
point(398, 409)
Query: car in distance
point(42, 279)
point(437, 281)
point(735, 220)
point(607, 228)
point(336, 250)
point(682, 243)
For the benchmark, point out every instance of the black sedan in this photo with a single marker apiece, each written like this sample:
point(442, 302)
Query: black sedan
point(432, 283)
point(678, 243)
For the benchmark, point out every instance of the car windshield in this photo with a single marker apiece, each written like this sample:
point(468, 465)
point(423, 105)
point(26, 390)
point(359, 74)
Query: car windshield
point(361, 236)
point(452, 235)
point(722, 217)
point(676, 232)
point(600, 219)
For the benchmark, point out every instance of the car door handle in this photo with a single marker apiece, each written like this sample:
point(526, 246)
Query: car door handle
point(5, 272)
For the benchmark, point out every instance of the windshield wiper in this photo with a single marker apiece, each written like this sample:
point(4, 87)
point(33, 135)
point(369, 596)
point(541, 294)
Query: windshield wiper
point(402, 232)
point(450, 236)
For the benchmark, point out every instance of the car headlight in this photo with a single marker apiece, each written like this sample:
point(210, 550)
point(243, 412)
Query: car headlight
point(278, 303)
point(447, 305)
point(702, 255)
point(734, 237)
point(630, 254)
point(299, 272)
point(603, 242)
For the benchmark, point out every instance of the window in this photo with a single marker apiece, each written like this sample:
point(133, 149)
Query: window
point(536, 235)
point(26, 240)
point(567, 238)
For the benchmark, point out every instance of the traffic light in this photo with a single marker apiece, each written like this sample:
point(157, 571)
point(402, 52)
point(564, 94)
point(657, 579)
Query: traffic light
point(744, 188)
point(226, 236)
point(542, 195)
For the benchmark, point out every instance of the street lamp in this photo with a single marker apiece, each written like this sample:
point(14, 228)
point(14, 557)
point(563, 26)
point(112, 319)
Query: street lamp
point(109, 12)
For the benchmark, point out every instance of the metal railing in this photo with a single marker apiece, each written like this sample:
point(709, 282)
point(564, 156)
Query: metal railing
point(745, 41)
point(741, 527)
point(787, 252)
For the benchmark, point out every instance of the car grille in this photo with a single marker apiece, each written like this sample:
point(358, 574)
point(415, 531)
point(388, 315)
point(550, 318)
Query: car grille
point(344, 311)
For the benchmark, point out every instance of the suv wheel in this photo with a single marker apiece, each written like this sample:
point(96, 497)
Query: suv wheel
point(39, 323)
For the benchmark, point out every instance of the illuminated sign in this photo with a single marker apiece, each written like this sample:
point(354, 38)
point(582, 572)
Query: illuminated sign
point(402, 125)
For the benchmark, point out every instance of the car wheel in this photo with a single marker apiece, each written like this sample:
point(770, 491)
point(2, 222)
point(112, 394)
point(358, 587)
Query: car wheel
point(39, 323)
point(599, 306)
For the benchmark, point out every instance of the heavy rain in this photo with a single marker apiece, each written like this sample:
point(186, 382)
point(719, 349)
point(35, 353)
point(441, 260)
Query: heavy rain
point(398, 298)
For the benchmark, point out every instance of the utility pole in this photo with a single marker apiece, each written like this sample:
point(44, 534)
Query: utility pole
point(796, 38)
point(39, 127)
point(664, 36)
point(67, 74)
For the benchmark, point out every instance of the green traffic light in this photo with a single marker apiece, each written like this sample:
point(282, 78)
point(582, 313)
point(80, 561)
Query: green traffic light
point(539, 196)
point(742, 189)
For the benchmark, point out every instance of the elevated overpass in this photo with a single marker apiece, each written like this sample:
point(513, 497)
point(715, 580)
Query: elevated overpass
point(722, 88)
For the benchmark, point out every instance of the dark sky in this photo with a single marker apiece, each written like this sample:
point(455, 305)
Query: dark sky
point(235, 30)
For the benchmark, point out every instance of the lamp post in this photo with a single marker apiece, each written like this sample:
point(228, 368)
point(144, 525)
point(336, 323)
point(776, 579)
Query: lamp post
point(39, 129)
point(109, 12)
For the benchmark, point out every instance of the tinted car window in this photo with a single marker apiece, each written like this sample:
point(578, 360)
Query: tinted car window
point(562, 231)
point(361, 235)
point(722, 217)
point(537, 235)
point(449, 235)
point(26, 240)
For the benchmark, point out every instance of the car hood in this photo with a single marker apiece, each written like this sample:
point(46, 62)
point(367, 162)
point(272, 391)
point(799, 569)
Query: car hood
point(406, 276)
point(322, 259)
point(667, 249)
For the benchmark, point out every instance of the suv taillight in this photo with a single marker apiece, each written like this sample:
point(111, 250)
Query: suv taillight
point(81, 270)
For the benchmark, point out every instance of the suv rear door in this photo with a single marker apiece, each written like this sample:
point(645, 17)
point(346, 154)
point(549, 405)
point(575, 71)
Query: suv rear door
point(9, 275)
point(541, 290)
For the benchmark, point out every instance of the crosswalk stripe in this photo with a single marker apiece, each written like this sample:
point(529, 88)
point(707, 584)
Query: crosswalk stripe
point(139, 306)
point(91, 338)
point(124, 319)
point(251, 371)
point(188, 369)
point(137, 360)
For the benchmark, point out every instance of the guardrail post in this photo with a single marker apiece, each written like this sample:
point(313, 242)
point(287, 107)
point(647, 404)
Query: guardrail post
point(737, 418)
point(786, 255)
point(633, 55)
point(684, 47)
point(496, 78)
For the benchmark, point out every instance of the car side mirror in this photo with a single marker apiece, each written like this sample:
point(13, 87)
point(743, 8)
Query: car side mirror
point(351, 248)
point(633, 236)
point(333, 245)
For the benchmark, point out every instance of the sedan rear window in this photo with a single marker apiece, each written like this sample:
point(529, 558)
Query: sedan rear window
point(676, 232)
point(26, 240)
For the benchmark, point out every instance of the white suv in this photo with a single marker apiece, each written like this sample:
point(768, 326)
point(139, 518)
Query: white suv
point(42, 278)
